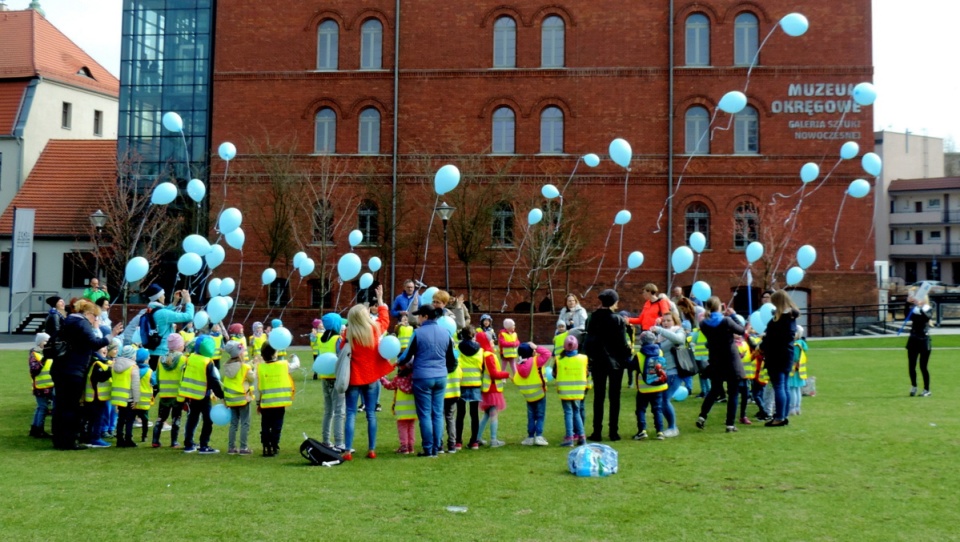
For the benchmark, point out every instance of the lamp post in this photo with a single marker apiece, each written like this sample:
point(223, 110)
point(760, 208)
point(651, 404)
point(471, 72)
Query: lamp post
point(445, 211)
point(98, 220)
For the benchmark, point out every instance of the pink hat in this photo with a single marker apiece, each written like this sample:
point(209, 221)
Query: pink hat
point(316, 323)
point(235, 329)
point(570, 343)
point(175, 342)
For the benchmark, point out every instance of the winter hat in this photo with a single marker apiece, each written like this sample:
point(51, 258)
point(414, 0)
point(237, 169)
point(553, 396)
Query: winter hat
point(205, 346)
point(316, 323)
point(686, 325)
point(507, 322)
point(268, 352)
point(648, 337)
point(41, 338)
point(739, 319)
point(53, 300)
point(608, 297)
point(175, 342)
point(524, 351)
point(154, 291)
point(142, 356)
point(486, 317)
point(128, 352)
point(332, 322)
point(233, 348)
point(116, 343)
point(570, 343)
point(276, 323)
point(257, 326)
point(235, 329)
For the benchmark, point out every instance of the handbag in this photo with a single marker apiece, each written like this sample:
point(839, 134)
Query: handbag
point(686, 365)
point(342, 369)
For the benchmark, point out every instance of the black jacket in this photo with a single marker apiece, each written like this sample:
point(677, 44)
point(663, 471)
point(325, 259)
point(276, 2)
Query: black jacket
point(606, 342)
point(81, 343)
point(725, 362)
point(777, 342)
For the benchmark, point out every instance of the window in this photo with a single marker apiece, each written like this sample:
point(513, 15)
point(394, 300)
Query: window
point(698, 40)
point(551, 42)
point(328, 39)
point(503, 131)
point(746, 225)
point(502, 234)
point(371, 46)
point(326, 137)
point(551, 130)
point(697, 218)
point(323, 223)
point(82, 274)
point(935, 236)
point(278, 292)
point(66, 116)
point(368, 223)
point(321, 293)
point(77, 268)
point(745, 131)
point(369, 131)
point(933, 204)
point(745, 30)
point(697, 123)
point(933, 270)
point(97, 123)
point(505, 43)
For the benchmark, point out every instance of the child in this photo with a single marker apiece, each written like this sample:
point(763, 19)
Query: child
point(236, 334)
point(491, 396)
point(508, 345)
point(188, 333)
point(257, 339)
point(200, 379)
point(451, 400)
point(529, 379)
point(471, 363)
point(403, 407)
point(96, 394)
point(698, 341)
point(571, 373)
point(559, 338)
point(125, 394)
point(315, 332)
point(486, 327)
point(798, 373)
point(42, 385)
point(168, 375)
point(143, 404)
point(217, 344)
point(238, 377)
point(334, 404)
point(274, 395)
point(651, 383)
point(404, 332)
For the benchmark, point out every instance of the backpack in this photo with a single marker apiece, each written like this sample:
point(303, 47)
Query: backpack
point(149, 336)
point(318, 453)
point(653, 372)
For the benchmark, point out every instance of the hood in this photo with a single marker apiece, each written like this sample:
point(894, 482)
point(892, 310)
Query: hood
point(650, 350)
point(232, 368)
point(205, 347)
point(171, 360)
point(713, 320)
point(121, 364)
point(332, 322)
point(155, 305)
point(468, 348)
point(525, 367)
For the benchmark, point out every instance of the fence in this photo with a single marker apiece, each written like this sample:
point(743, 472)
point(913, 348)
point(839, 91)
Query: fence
point(850, 320)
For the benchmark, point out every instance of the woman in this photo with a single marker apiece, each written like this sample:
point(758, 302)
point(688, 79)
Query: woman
point(431, 353)
point(670, 337)
point(366, 368)
point(52, 325)
point(777, 347)
point(573, 315)
point(919, 344)
point(654, 307)
point(69, 372)
point(725, 365)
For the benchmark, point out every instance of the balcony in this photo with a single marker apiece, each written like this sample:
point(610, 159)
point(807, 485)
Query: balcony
point(927, 249)
point(912, 217)
point(951, 216)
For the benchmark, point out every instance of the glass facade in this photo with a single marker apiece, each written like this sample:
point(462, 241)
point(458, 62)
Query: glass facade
point(166, 65)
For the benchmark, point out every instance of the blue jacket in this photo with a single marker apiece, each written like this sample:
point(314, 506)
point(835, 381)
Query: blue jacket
point(430, 351)
point(400, 304)
point(165, 317)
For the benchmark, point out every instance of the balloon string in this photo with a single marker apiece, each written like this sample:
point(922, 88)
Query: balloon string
point(833, 241)
point(426, 244)
point(795, 216)
point(683, 170)
point(739, 282)
point(670, 282)
point(620, 262)
point(603, 255)
point(756, 57)
point(336, 305)
point(569, 180)
point(696, 269)
point(516, 261)
point(239, 282)
point(186, 151)
point(626, 183)
point(873, 223)
point(616, 283)
point(226, 169)
point(290, 299)
point(249, 312)
point(203, 284)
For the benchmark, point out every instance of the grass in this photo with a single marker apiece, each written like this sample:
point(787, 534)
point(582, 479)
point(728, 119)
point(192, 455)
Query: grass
point(863, 462)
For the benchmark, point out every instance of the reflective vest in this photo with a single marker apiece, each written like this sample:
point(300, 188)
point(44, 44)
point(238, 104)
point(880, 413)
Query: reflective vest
point(532, 387)
point(281, 356)
point(558, 341)
point(120, 394)
point(43, 380)
point(404, 334)
point(485, 381)
point(471, 367)
point(572, 377)
point(187, 336)
point(243, 341)
point(508, 351)
point(102, 390)
point(453, 384)
point(749, 364)
point(256, 344)
point(169, 379)
point(329, 347)
point(403, 405)
point(146, 392)
point(193, 383)
point(315, 343)
point(700, 345)
point(233, 394)
point(217, 345)
point(275, 385)
point(801, 362)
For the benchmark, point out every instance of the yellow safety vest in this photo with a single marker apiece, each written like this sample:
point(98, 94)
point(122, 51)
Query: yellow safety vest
point(485, 381)
point(509, 351)
point(102, 390)
point(749, 364)
point(193, 383)
point(217, 345)
point(256, 344)
point(404, 334)
point(453, 383)
point(281, 356)
point(700, 350)
point(120, 394)
point(572, 377)
point(558, 341)
point(146, 391)
point(233, 394)
point(404, 407)
point(275, 385)
point(531, 387)
point(471, 368)
point(169, 379)
point(329, 347)
point(43, 380)
point(641, 381)
point(315, 343)
point(187, 336)
point(800, 363)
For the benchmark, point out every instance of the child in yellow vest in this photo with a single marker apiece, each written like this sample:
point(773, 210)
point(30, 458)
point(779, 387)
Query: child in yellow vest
point(334, 403)
point(491, 392)
point(570, 371)
point(798, 373)
point(236, 334)
point(651, 385)
point(529, 380)
point(125, 393)
point(404, 332)
point(42, 385)
point(217, 337)
point(274, 395)
point(142, 406)
point(200, 380)
point(403, 407)
point(470, 363)
point(96, 394)
point(167, 376)
point(508, 345)
point(257, 339)
point(238, 379)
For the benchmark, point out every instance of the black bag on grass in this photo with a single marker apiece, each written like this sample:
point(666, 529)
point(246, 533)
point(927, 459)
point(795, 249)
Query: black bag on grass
point(318, 453)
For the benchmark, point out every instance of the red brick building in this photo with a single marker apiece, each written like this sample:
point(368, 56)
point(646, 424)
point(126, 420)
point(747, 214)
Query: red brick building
point(514, 94)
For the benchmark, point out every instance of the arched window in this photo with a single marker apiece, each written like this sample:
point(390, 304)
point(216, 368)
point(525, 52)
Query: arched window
point(368, 223)
point(697, 218)
point(328, 40)
point(746, 131)
point(696, 125)
point(746, 225)
point(505, 43)
point(325, 140)
point(698, 40)
point(502, 234)
point(503, 131)
point(323, 223)
point(371, 45)
point(745, 31)
point(369, 131)
point(551, 42)
point(551, 130)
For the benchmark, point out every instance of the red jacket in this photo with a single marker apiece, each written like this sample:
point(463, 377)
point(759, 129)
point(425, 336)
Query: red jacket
point(650, 313)
point(490, 361)
point(366, 364)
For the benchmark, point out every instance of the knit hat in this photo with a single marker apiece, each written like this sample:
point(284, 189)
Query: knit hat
point(233, 348)
point(608, 297)
point(268, 352)
point(316, 323)
point(524, 351)
point(153, 292)
point(142, 356)
point(175, 342)
point(508, 322)
point(116, 343)
point(257, 326)
point(53, 300)
point(235, 329)
point(486, 317)
point(570, 343)
point(332, 322)
point(41, 338)
point(686, 325)
point(648, 337)
point(276, 323)
point(128, 352)
point(205, 346)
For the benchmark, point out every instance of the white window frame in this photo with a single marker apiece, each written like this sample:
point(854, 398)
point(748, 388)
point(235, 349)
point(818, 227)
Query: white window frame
point(552, 36)
point(504, 219)
point(746, 131)
point(505, 42)
point(504, 131)
point(697, 40)
point(551, 130)
point(325, 137)
point(369, 131)
point(371, 45)
point(746, 30)
point(696, 123)
point(328, 45)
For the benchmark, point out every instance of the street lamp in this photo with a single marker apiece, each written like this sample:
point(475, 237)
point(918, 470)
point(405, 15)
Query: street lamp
point(98, 220)
point(445, 212)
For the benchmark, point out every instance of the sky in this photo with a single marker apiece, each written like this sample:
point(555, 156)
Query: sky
point(910, 48)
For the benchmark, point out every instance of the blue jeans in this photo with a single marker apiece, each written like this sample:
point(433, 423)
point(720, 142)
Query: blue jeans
point(428, 398)
point(673, 383)
point(370, 393)
point(572, 420)
point(655, 400)
point(704, 385)
point(778, 379)
point(43, 406)
point(536, 412)
point(109, 421)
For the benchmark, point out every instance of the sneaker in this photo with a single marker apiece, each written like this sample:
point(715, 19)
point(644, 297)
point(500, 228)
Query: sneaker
point(497, 443)
point(452, 450)
point(670, 433)
point(189, 449)
point(425, 454)
point(401, 450)
point(745, 421)
point(722, 399)
point(379, 408)
point(701, 422)
point(660, 435)
point(614, 436)
point(642, 435)
point(339, 448)
point(926, 393)
point(482, 442)
point(206, 450)
point(567, 442)
point(233, 451)
point(581, 441)
point(731, 429)
point(475, 446)
point(245, 451)
point(777, 423)
point(458, 447)
point(371, 454)
point(913, 391)
point(99, 443)
point(440, 451)
point(175, 444)
point(762, 416)
point(347, 456)
point(166, 427)
point(527, 441)
point(361, 408)
point(540, 441)
point(155, 445)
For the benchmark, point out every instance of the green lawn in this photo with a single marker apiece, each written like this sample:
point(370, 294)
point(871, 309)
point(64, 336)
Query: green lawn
point(863, 462)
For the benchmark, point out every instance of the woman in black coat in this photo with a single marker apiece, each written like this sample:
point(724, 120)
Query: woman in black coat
point(919, 344)
point(52, 325)
point(725, 364)
point(777, 347)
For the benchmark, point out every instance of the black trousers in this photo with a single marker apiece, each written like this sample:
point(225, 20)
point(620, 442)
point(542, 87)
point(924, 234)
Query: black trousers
point(169, 407)
point(198, 408)
point(606, 380)
point(68, 413)
point(271, 424)
point(716, 391)
point(474, 419)
point(125, 417)
point(916, 350)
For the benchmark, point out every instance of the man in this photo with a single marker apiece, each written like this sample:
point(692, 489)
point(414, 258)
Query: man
point(607, 351)
point(401, 305)
point(677, 294)
point(95, 291)
point(164, 316)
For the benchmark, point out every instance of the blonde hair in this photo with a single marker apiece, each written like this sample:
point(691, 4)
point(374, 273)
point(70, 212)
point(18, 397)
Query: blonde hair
point(651, 288)
point(359, 326)
point(442, 296)
point(84, 306)
point(783, 303)
point(712, 304)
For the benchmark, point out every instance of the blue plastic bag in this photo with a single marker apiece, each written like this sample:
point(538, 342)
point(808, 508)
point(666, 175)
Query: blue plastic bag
point(593, 460)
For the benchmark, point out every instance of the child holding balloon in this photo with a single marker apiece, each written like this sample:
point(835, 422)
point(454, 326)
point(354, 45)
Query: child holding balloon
point(274, 395)
point(238, 379)
point(403, 407)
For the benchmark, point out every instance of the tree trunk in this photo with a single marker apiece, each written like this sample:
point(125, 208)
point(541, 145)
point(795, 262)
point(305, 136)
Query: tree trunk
point(466, 272)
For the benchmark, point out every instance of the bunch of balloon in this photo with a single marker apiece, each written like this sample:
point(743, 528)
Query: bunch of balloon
point(697, 242)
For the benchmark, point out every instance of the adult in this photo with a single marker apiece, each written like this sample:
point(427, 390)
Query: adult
point(572, 314)
point(366, 368)
point(52, 325)
point(401, 305)
point(69, 372)
point(94, 291)
point(777, 347)
point(103, 321)
point(457, 308)
point(677, 294)
point(690, 316)
point(919, 344)
point(725, 365)
point(655, 306)
point(607, 350)
point(670, 337)
point(431, 354)
point(165, 316)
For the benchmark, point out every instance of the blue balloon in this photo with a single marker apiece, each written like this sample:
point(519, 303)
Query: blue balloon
point(215, 257)
point(325, 363)
point(591, 160)
point(547, 373)
point(426, 298)
point(549, 191)
point(698, 242)
point(766, 312)
point(172, 121)
point(449, 324)
point(849, 150)
point(534, 216)
point(620, 152)
point(217, 309)
point(871, 163)
point(220, 414)
point(622, 218)
point(163, 194)
point(446, 179)
point(280, 338)
point(298, 258)
point(196, 190)
point(389, 347)
point(201, 319)
point(268, 276)
point(758, 324)
point(227, 151)
point(794, 276)
point(230, 220)
point(754, 251)
point(349, 266)
point(236, 238)
point(226, 286)
point(701, 290)
point(794, 24)
point(806, 255)
point(136, 269)
point(374, 264)
point(858, 188)
point(681, 393)
point(809, 172)
point(189, 264)
point(864, 94)
point(366, 280)
point(635, 259)
point(355, 238)
point(682, 259)
point(213, 287)
point(733, 102)
point(196, 244)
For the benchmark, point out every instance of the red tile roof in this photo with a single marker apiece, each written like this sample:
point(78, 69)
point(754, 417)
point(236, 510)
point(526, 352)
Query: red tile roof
point(11, 95)
point(65, 186)
point(910, 185)
point(31, 46)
